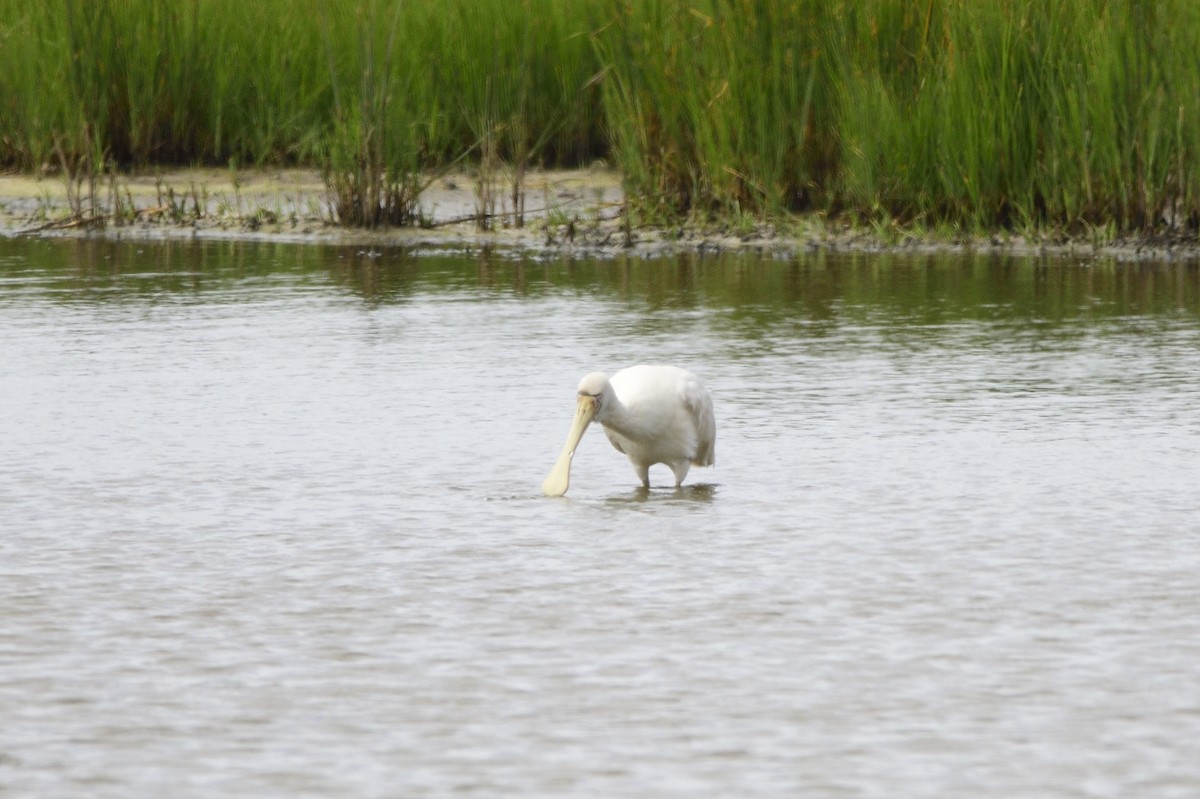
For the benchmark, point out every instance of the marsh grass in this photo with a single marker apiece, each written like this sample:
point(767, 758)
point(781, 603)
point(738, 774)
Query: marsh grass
point(373, 92)
point(1071, 115)
point(715, 106)
point(1014, 115)
point(372, 164)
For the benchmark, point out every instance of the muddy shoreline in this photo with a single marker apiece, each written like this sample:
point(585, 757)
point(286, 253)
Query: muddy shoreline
point(567, 212)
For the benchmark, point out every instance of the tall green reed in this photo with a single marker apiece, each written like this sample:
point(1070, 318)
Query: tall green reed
point(721, 106)
point(159, 81)
point(1059, 113)
point(373, 154)
point(1068, 113)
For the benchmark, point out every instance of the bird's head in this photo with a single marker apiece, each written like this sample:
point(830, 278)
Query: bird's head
point(592, 391)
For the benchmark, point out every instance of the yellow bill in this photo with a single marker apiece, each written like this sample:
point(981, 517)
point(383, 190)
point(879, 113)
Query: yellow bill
point(556, 483)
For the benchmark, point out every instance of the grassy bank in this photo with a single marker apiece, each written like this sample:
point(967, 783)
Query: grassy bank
point(1077, 114)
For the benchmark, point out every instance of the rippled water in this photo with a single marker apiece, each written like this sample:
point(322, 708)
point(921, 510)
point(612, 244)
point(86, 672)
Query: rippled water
point(271, 527)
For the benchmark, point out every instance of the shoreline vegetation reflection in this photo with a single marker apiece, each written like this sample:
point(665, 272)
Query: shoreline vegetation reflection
point(748, 291)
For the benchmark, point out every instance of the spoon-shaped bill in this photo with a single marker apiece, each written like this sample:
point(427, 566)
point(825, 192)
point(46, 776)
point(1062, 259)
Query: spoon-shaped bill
point(556, 483)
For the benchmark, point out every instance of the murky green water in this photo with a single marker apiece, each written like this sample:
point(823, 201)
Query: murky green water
point(271, 526)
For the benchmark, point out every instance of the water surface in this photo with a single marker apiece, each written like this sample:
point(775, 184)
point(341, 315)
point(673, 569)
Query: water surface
point(271, 526)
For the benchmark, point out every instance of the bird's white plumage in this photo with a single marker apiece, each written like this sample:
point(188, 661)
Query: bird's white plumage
point(652, 414)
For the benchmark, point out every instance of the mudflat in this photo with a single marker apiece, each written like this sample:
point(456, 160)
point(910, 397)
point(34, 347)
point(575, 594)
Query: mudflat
point(561, 211)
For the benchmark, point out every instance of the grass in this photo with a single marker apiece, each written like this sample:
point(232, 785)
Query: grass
point(1075, 115)
point(1070, 112)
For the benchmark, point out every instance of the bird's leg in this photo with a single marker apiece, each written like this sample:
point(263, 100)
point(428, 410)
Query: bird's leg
point(644, 473)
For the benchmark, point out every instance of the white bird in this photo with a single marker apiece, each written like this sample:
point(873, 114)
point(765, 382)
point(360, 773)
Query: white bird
point(652, 414)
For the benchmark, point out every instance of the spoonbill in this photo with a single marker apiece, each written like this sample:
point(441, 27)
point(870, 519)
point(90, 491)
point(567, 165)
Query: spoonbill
point(652, 414)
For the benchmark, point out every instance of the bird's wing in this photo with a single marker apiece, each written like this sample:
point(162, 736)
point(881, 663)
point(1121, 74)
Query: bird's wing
point(699, 404)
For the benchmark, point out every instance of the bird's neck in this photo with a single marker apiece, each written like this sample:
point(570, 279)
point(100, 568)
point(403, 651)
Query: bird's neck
point(617, 417)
